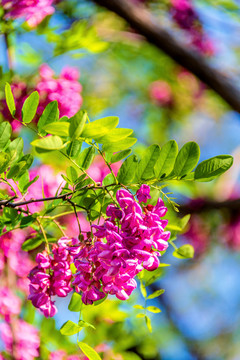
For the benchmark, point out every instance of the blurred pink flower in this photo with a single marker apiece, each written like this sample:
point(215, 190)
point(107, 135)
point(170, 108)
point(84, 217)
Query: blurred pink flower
point(186, 17)
point(26, 338)
point(198, 234)
point(34, 11)
point(161, 93)
point(10, 304)
point(65, 89)
point(231, 234)
point(98, 170)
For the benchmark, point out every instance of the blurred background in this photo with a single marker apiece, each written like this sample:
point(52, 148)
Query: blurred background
point(122, 74)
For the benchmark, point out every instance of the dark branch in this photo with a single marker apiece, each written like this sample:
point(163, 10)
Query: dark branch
point(6, 203)
point(140, 19)
point(208, 205)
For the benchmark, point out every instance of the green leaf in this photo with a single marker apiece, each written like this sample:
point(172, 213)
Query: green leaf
point(48, 116)
point(72, 174)
point(90, 353)
point(30, 107)
point(154, 309)
point(140, 315)
point(166, 160)
point(184, 252)
point(209, 169)
point(120, 155)
point(59, 128)
point(16, 169)
point(138, 307)
point(10, 99)
point(96, 129)
point(86, 157)
point(146, 165)
point(115, 135)
point(156, 294)
point(127, 171)
point(26, 186)
point(74, 148)
point(143, 290)
point(187, 159)
point(5, 134)
point(148, 323)
point(32, 243)
point(75, 302)
point(27, 221)
point(49, 143)
point(86, 324)
point(15, 150)
point(108, 180)
point(69, 328)
point(77, 124)
point(119, 145)
point(4, 161)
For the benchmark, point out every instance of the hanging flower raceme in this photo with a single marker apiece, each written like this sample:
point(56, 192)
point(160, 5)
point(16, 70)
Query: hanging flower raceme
point(130, 240)
point(52, 276)
point(134, 238)
point(33, 11)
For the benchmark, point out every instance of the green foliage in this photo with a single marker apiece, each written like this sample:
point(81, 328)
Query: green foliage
point(210, 169)
point(10, 100)
point(187, 159)
point(184, 252)
point(30, 107)
point(165, 163)
point(49, 115)
point(127, 170)
point(145, 170)
point(156, 294)
point(48, 143)
point(86, 157)
point(75, 302)
point(77, 124)
point(70, 328)
point(88, 351)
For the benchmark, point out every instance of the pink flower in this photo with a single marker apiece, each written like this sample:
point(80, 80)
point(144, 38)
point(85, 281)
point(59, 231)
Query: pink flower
point(98, 170)
point(10, 304)
point(143, 194)
point(161, 93)
point(26, 339)
point(34, 11)
point(65, 89)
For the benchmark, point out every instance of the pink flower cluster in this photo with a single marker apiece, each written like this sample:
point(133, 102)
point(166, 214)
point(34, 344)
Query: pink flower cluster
point(26, 341)
point(34, 11)
point(65, 89)
point(134, 237)
point(187, 19)
point(52, 276)
point(129, 241)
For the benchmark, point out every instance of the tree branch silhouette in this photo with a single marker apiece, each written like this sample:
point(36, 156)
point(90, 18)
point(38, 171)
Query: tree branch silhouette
point(139, 18)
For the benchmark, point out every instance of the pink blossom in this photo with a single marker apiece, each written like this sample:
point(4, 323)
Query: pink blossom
point(26, 339)
point(187, 19)
point(34, 11)
point(10, 304)
point(161, 93)
point(65, 89)
point(52, 276)
point(98, 170)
